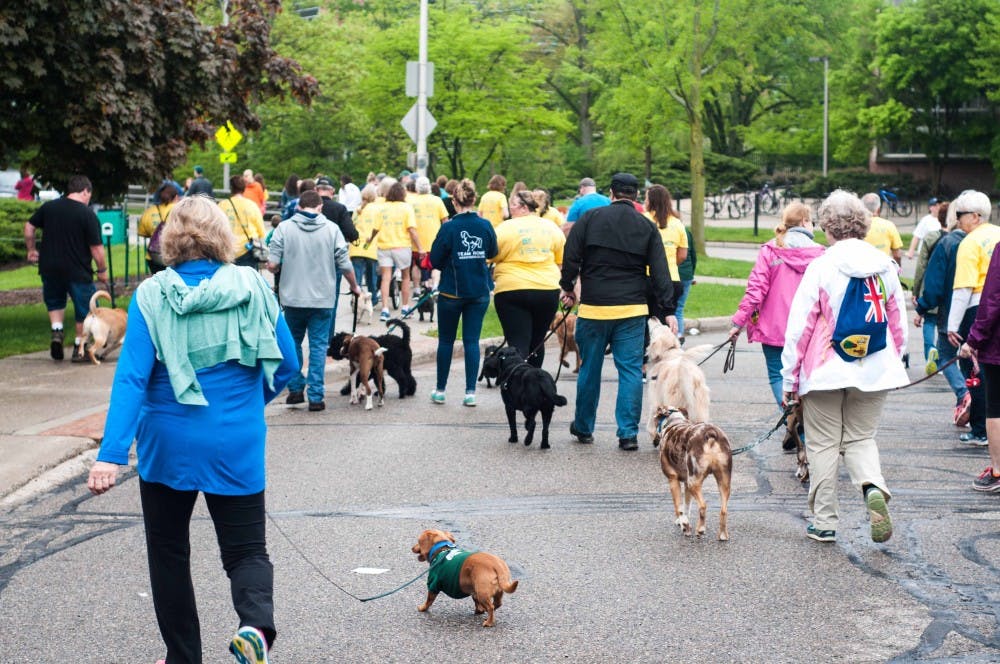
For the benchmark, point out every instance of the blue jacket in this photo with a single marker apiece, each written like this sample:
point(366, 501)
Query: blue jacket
point(217, 448)
point(460, 251)
point(939, 278)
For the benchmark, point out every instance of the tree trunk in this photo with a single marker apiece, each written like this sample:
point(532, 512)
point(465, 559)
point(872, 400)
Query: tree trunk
point(697, 136)
point(649, 162)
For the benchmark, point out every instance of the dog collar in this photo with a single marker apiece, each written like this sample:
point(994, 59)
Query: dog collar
point(437, 548)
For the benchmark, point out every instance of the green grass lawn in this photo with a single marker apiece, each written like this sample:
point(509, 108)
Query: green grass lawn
point(734, 234)
point(491, 326)
point(25, 328)
point(722, 267)
point(26, 276)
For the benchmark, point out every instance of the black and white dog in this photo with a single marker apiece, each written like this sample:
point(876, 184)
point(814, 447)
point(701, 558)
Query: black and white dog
point(397, 358)
point(523, 388)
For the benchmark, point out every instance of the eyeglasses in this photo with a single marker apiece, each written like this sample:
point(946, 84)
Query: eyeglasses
point(958, 215)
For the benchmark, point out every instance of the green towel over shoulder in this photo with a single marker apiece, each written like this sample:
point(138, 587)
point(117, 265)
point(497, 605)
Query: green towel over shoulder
point(236, 318)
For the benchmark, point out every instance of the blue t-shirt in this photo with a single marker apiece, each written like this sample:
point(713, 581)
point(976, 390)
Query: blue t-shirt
point(217, 448)
point(584, 203)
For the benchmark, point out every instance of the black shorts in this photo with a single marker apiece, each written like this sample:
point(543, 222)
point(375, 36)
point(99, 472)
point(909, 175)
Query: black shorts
point(991, 380)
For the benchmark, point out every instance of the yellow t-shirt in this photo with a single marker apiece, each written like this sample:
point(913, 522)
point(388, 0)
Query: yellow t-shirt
point(612, 312)
point(393, 218)
point(364, 221)
point(973, 257)
point(673, 238)
point(529, 251)
point(153, 216)
point(493, 207)
point(429, 211)
point(884, 236)
point(246, 221)
point(555, 216)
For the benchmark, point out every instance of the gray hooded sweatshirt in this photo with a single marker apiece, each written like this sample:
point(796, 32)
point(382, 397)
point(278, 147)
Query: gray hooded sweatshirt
point(309, 247)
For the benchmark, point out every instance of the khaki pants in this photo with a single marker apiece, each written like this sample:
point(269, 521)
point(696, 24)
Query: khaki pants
point(840, 422)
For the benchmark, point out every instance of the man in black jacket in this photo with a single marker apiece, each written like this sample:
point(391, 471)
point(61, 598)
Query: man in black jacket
point(610, 248)
point(338, 214)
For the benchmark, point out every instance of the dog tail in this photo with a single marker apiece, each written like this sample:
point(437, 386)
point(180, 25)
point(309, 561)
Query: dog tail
point(398, 322)
point(97, 296)
point(696, 353)
point(380, 351)
point(509, 587)
point(549, 389)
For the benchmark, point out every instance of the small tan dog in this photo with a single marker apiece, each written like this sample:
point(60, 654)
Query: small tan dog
point(365, 308)
point(792, 437)
point(103, 329)
point(680, 382)
point(365, 356)
point(690, 452)
point(459, 573)
point(566, 333)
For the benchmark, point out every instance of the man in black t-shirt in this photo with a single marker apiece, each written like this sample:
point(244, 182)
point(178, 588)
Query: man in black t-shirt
point(71, 238)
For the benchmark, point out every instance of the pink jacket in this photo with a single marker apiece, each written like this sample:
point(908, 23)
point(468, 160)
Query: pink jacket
point(770, 289)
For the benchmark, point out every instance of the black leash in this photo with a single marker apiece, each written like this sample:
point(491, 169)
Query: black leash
point(331, 581)
point(354, 305)
point(930, 375)
point(730, 355)
point(781, 422)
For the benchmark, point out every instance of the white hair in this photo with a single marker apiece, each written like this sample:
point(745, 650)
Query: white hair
point(971, 201)
point(423, 185)
point(384, 185)
point(843, 216)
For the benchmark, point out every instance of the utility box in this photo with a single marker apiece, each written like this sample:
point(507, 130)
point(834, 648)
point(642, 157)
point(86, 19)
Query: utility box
point(119, 220)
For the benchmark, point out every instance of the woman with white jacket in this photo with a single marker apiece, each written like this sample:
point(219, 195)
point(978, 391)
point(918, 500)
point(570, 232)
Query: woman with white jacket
point(843, 389)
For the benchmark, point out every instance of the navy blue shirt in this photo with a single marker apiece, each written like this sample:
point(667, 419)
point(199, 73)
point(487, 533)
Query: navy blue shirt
point(460, 251)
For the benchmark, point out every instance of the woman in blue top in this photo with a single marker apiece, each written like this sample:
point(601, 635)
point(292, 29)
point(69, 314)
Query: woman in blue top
point(206, 349)
point(460, 251)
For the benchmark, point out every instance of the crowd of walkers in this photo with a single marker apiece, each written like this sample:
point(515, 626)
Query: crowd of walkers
point(209, 343)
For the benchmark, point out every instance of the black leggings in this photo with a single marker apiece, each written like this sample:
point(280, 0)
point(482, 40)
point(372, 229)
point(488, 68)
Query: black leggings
point(525, 316)
point(990, 374)
point(239, 527)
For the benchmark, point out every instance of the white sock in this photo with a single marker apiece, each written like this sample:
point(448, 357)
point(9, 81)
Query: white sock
point(56, 326)
point(76, 341)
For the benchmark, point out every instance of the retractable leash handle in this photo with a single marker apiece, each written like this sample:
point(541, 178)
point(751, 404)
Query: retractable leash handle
point(973, 380)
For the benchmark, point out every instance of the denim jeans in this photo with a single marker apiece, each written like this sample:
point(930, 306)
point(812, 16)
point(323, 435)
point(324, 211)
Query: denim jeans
point(929, 330)
point(471, 310)
point(315, 322)
point(366, 269)
point(240, 530)
point(956, 381)
point(681, 301)
point(772, 358)
point(626, 338)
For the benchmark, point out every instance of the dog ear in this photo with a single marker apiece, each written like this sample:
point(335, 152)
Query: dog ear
point(684, 412)
point(450, 537)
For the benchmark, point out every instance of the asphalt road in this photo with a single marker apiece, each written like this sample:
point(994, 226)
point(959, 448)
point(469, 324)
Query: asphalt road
point(605, 575)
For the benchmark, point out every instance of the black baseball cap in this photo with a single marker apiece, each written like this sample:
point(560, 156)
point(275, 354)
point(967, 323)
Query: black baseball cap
point(624, 182)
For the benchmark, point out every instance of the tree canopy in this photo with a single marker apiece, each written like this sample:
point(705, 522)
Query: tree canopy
point(119, 90)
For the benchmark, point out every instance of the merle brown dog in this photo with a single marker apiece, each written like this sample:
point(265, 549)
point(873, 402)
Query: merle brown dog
point(524, 388)
point(398, 357)
point(793, 441)
point(690, 452)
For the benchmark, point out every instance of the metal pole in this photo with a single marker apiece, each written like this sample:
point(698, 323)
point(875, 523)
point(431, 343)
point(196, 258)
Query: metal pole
point(826, 111)
point(422, 93)
point(225, 167)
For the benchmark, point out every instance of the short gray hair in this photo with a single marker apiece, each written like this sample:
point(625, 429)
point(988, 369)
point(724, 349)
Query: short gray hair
point(384, 185)
point(843, 216)
point(423, 185)
point(872, 202)
point(971, 200)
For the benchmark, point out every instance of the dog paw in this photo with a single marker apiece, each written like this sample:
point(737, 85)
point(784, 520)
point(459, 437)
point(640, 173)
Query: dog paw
point(544, 445)
point(723, 537)
point(512, 439)
point(422, 608)
point(682, 521)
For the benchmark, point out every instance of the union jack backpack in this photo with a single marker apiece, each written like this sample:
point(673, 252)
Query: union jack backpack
point(863, 320)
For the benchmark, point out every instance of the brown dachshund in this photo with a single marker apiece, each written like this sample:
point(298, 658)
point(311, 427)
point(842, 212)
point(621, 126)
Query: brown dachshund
point(365, 356)
point(458, 573)
point(566, 333)
point(690, 452)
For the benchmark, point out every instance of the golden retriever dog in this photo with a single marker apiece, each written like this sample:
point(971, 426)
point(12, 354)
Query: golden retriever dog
point(459, 573)
point(566, 333)
point(680, 382)
point(365, 356)
point(103, 329)
point(690, 452)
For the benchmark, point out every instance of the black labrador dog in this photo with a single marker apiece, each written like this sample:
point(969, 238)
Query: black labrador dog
point(397, 359)
point(523, 388)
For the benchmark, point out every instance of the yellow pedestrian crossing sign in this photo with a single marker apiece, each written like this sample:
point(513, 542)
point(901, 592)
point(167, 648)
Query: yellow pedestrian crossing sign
point(228, 137)
point(227, 158)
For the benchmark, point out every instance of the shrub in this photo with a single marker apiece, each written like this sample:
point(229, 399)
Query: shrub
point(13, 215)
point(860, 181)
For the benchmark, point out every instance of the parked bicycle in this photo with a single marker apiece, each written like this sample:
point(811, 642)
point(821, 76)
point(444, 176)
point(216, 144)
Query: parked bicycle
point(768, 199)
point(734, 203)
point(892, 203)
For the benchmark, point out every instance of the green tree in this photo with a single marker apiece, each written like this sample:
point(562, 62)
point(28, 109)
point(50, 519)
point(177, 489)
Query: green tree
point(923, 66)
point(119, 90)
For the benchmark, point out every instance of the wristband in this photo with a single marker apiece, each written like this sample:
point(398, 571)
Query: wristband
point(103, 269)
